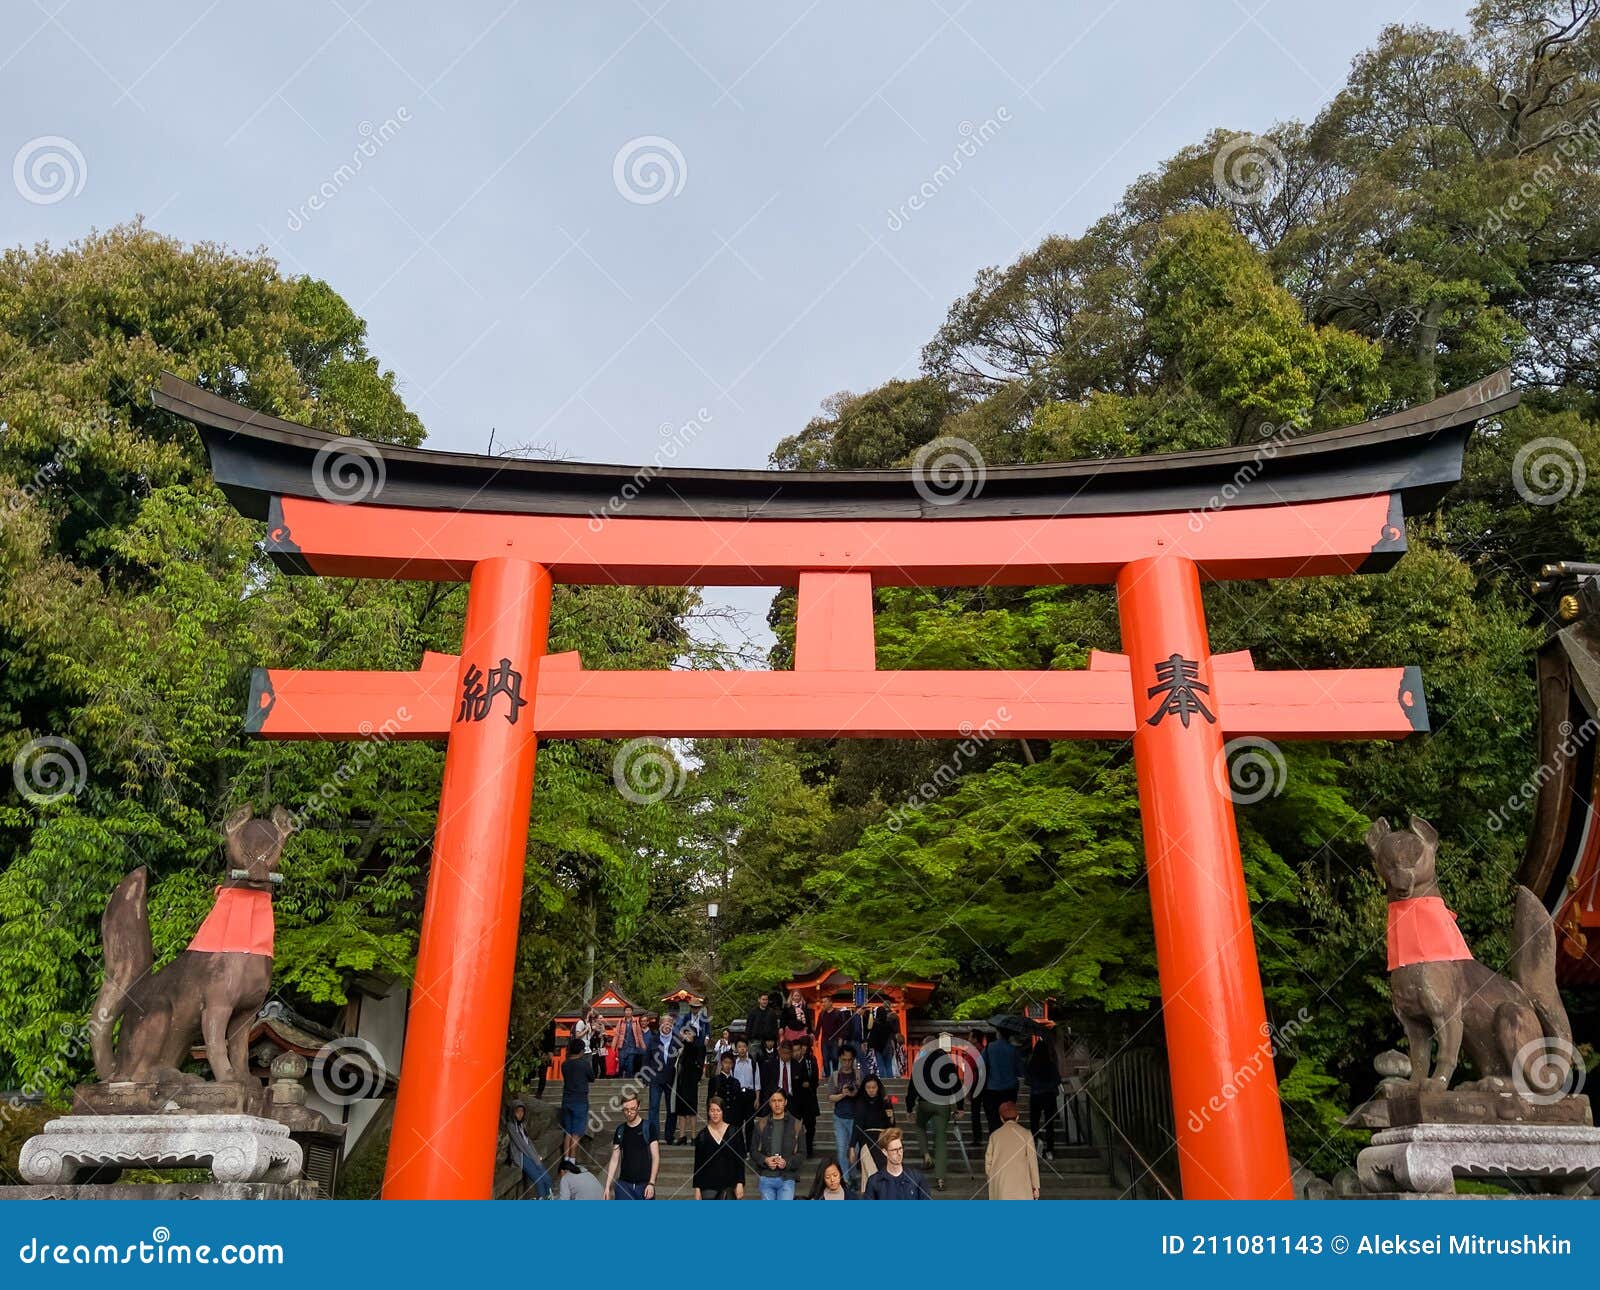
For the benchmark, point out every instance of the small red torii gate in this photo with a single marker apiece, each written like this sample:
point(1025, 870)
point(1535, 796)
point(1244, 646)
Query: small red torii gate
point(1154, 527)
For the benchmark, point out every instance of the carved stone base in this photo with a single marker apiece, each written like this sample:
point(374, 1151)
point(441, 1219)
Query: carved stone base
point(1429, 1158)
point(168, 1096)
point(236, 1148)
point(1409, 1105)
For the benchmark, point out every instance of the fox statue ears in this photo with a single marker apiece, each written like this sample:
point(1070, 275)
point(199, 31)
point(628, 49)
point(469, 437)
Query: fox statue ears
point(1380, 829)
point(280, 817)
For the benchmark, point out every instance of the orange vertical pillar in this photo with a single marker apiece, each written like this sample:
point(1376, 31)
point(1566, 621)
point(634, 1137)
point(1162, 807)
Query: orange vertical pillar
point(1224, 1092)
point(447, 1112)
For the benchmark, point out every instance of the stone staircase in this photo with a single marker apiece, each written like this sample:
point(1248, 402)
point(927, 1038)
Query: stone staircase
point(1076, 1172)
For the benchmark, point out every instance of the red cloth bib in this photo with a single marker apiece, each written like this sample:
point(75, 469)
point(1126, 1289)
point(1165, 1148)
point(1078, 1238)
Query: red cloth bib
point(1423, 930)
point(239, 923)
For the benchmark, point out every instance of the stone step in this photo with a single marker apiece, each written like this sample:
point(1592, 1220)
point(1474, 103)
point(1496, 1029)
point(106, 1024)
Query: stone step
point(1077, 1173)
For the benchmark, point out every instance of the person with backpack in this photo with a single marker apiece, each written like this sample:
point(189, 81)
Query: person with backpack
point(635, 1156)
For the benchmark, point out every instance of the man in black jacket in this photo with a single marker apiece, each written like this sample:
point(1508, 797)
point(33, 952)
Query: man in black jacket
point(767, 1068)
point(803, 1082)
point(725, 1085)
point(761, 1027)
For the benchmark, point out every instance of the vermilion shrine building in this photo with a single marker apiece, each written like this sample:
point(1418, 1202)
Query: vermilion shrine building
point(1155, 528)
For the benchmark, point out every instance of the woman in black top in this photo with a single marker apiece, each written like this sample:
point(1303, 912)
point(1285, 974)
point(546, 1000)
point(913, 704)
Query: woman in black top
point(718, 1158)
point(873, 1113)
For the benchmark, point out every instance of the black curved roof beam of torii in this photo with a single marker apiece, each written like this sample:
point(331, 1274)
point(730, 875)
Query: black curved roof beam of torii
point(1330, 502)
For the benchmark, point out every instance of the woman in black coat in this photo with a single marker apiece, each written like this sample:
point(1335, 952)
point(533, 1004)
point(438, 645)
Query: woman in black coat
point(691, 1062)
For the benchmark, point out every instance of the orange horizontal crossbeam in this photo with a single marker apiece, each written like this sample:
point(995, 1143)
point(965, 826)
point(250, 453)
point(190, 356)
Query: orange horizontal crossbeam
point(572, 703)
point(1290, 540)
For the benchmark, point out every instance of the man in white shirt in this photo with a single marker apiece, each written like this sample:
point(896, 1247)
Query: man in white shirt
point(748, 1073)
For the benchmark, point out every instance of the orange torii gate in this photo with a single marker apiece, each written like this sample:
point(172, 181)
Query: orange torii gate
point(1154, 527)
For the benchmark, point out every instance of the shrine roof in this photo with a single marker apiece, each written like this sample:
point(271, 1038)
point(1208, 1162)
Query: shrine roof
point(1416, 453)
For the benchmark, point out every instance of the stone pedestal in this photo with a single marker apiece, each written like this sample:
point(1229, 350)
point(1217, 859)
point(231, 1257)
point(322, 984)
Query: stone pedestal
point(298, 1190)
point(236, 1148)
point(1428, 1158)
point(176, 1096)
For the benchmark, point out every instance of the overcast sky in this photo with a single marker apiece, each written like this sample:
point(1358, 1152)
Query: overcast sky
point(575, 225)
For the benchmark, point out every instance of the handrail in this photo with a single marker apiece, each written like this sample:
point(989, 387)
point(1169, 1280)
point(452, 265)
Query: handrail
point(1131, 1089)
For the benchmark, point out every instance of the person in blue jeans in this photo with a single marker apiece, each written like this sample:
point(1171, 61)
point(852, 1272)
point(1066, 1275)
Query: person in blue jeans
point(775, 1149)
point(661, 1074)
point(630, 1044)
point(843, 1089)
point(576, 1075)
point(520, 1151)
point(635, 1156)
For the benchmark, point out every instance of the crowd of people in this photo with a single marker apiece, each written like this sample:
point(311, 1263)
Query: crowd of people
point(764, 1093)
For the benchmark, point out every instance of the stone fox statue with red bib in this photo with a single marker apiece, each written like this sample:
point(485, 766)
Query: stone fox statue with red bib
point(212, 990)
point(1515, 1031)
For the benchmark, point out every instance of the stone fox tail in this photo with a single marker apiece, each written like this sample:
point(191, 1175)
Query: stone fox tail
point(1533, 967)
point(125, 931)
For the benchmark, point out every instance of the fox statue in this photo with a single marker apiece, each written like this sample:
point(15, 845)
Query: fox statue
point(213, 990)
point(1515, 1031)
